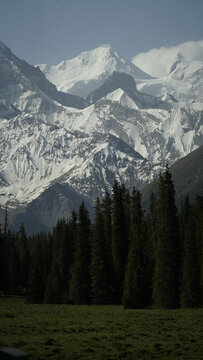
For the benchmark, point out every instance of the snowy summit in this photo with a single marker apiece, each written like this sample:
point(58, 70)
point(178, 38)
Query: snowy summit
point(88, 71)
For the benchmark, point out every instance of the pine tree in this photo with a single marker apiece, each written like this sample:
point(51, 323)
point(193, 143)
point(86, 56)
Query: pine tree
point(38, 269)
point(1, 259)
point(190, 285)
point(119, 237)
point(6, 221)
point(14, 265)
point(98, 267)
point(57, 290)
point(3, 262)
point(152, 221)
point(80, 283)
point(151, 226)
point(24, 258)
point(73, 226)
point(4, 255)
point(198, 211)
point(167, 251)
point(137, 287)
point(106, 209)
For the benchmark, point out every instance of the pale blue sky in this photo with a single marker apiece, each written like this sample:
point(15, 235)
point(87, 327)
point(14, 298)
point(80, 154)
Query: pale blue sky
point(48, 31)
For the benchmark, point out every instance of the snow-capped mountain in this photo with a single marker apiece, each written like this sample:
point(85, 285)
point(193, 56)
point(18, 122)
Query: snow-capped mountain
point(88, 71)
point(184, 81)
point(27, 88)
point(52, 141)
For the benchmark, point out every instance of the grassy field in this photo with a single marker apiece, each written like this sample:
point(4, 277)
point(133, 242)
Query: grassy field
point(100, 332)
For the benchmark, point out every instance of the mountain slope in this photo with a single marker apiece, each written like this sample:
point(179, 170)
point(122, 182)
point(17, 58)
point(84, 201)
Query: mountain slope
point(125, 82)
point(184, 81)
point(27, 88)
point(56, 202)
point(51, 151)
point(60, 200)
point(187, 175)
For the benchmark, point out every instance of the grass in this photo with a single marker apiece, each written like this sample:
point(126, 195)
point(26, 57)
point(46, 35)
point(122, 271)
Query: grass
point(60, 332)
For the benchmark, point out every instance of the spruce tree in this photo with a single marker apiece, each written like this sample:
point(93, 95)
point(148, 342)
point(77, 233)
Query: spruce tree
point(98, 267)
point(73, 226)
point(151, 226)
point(57, 289)
point(38, 270)
point(167, 250)
point(6, 221)
point(1, 259)
point(24, 258)
point(198, 211)
point(152, 221)
point(14, 265)
point(190, 284)
point(137, 287)
point(4, 254)
point(106, 209)
point(119, 237)
point(80, 283)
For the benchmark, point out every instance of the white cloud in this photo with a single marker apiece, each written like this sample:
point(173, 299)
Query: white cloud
point(157, 62)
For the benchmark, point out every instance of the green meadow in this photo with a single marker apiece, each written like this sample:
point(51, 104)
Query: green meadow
point(100, 332)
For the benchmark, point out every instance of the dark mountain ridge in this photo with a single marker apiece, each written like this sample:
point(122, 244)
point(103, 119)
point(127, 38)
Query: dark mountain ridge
point(29, 75)
point(187, 175)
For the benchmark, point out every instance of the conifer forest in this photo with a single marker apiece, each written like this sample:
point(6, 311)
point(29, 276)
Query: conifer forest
point(128, 256)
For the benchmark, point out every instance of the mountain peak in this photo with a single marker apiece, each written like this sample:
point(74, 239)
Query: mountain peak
point(2, 46)
point(106, 46)
point(4, 50)
point(100, 59)
point(122, 78)
point(115, 81)
point(88, 71)
point(178, 59)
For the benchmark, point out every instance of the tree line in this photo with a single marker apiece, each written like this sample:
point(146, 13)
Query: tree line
point(126, 256)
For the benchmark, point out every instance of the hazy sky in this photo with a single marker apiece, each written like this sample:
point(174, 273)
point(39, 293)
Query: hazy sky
point(48, 31)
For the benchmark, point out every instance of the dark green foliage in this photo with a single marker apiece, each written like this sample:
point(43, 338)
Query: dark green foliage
point(119, 236)
point(14, 265)
point(24, 259)
point(167, 248)
point(1, 259)
point(6, 221)
point(198, 211)
point(98, 268)
point(80, 283)
point(106, 209)
point(136, 291)
point(124, 256)
point(72, 230)
point(57, 290)
point(190, 284)
point(151, 226)
point(152, 221)
point(199, 218)
point(38, 270)
point(4, 254)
